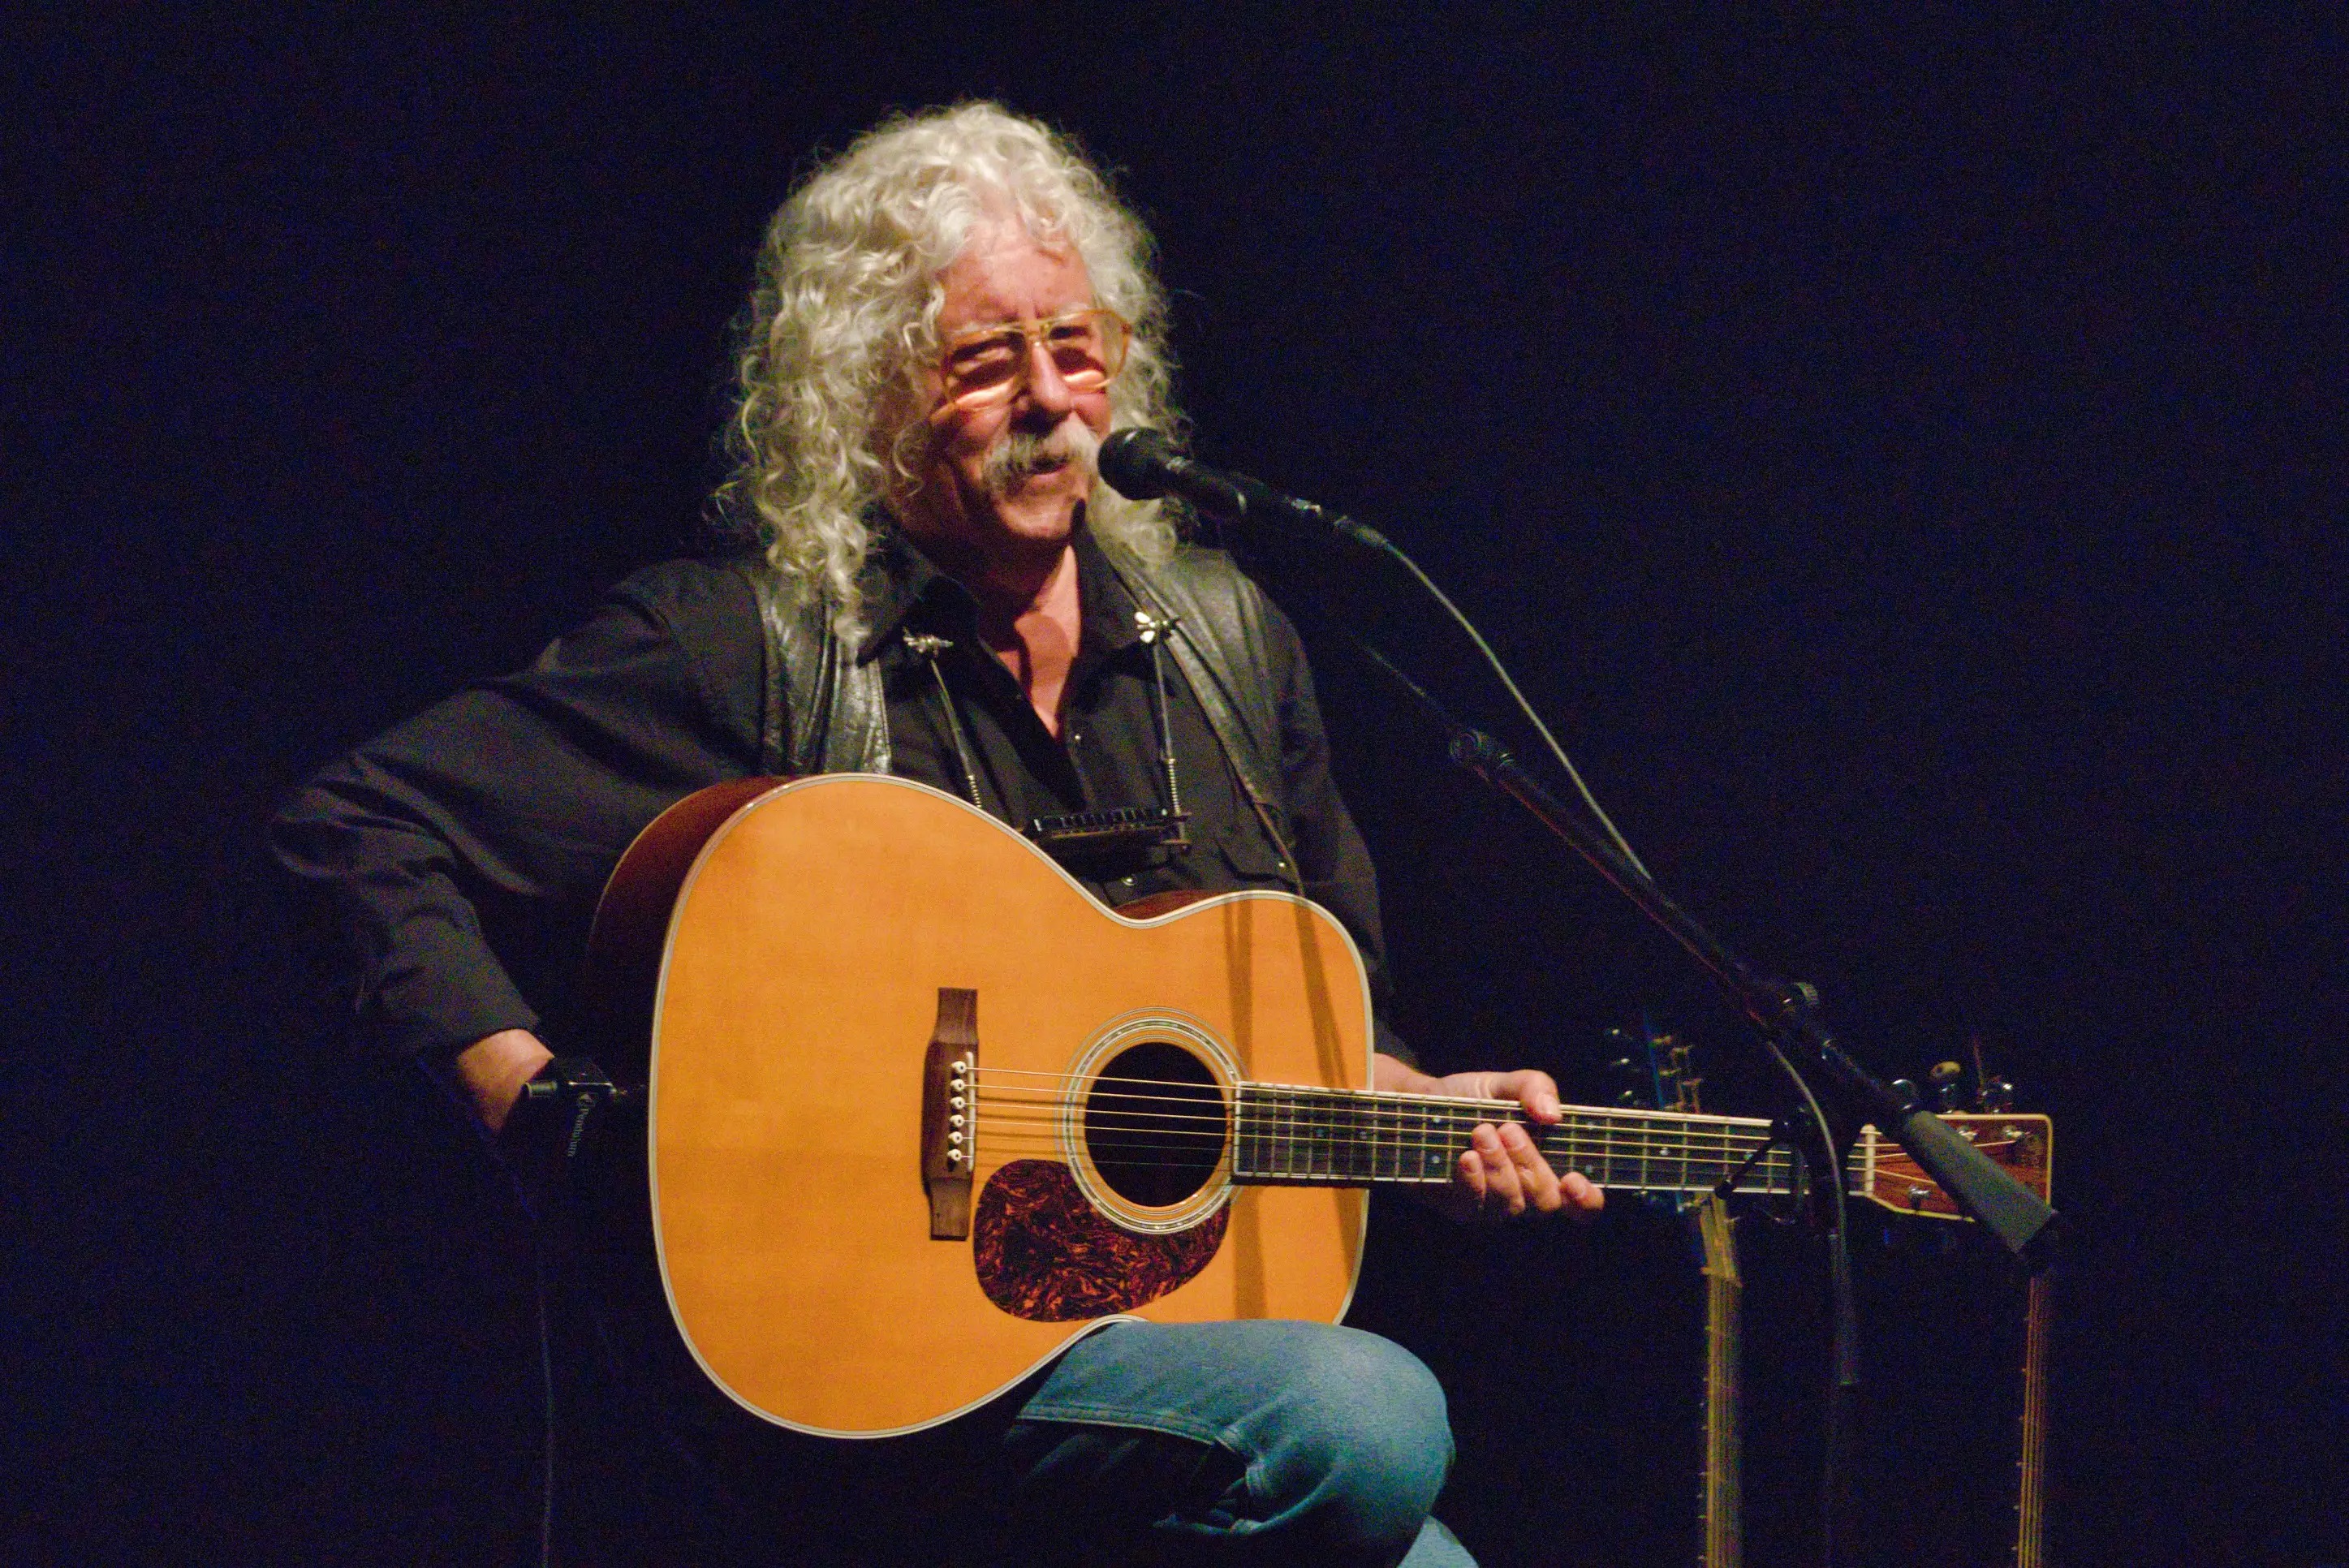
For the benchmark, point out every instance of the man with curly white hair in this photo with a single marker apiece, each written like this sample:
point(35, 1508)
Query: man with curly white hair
point(947, 320)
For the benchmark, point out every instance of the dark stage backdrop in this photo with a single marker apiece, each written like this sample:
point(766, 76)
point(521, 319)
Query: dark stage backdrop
point(1901, 456)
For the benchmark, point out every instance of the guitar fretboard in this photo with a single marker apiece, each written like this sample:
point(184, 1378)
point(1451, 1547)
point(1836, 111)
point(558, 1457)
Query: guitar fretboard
point(1287, 1136)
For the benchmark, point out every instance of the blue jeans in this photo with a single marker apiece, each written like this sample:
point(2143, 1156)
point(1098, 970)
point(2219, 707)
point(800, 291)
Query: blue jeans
point(1253, 1442)
point(1236, 1444)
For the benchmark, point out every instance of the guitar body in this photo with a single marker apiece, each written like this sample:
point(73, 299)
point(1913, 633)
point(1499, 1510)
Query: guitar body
point(791, 950)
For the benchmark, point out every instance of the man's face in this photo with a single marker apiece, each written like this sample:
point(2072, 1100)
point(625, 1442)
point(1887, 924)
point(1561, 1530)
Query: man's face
point(979, 515)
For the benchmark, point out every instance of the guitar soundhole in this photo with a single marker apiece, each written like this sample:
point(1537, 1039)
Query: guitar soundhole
point(1153, 1124)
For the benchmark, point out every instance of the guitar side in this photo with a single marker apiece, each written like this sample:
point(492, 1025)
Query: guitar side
point(800, 964)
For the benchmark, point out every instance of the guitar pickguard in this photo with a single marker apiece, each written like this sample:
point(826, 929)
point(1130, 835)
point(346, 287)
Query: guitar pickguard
point(1044, 1253)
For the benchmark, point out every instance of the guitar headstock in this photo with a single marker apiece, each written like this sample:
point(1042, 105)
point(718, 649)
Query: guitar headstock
point(2024, 1146)
point(1654, 1069)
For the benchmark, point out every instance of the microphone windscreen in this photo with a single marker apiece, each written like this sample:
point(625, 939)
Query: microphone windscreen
point(1134, 462)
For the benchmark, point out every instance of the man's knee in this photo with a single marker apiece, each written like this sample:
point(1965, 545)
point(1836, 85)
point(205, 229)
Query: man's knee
point(1363, 1442)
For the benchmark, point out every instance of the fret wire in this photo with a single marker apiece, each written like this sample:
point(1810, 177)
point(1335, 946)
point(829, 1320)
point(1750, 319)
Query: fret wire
point(1241, 1131)
point(1289, 1115)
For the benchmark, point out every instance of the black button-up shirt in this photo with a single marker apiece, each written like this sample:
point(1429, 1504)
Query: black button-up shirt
point(1107, 754)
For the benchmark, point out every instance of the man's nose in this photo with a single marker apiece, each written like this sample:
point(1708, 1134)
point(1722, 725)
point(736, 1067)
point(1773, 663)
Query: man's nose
point(1048, 392)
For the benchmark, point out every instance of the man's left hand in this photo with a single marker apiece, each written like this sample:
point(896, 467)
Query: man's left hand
point(1500, 1175)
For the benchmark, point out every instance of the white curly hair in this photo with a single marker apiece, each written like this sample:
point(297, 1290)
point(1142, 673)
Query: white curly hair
point(844, 314)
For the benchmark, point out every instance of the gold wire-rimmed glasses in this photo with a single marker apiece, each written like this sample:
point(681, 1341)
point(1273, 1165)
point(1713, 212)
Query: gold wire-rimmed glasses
point(988, 365)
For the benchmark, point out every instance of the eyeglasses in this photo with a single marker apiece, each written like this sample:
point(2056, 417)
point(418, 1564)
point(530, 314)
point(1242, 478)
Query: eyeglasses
point(989, 365)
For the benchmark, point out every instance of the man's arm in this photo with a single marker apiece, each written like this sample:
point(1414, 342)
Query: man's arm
point(453, 861)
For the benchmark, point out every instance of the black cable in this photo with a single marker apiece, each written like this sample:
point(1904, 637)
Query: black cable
point(1845, 1356)
point(546, 1387)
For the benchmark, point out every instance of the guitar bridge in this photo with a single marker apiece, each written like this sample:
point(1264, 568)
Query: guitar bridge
point(950, 1113)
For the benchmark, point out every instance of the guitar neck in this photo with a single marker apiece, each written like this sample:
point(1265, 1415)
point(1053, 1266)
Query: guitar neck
point(1286, 1135)
point(1723, 1529)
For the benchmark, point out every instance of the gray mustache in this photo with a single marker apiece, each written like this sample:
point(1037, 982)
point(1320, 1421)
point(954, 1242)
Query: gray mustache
point(1021, 454)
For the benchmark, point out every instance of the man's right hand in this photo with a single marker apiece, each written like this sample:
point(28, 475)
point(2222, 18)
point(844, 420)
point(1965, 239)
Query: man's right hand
point(495, 1067)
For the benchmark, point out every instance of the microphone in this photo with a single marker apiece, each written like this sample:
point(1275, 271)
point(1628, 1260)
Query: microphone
point(1142, 465)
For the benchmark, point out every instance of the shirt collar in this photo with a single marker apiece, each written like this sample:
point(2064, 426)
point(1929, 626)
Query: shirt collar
point(900, 579)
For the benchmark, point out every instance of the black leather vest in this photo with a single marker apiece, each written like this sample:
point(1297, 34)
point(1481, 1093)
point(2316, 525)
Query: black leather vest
point(823, 710)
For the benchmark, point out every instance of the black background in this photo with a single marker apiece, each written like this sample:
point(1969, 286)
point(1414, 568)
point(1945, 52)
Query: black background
point(1902, 454)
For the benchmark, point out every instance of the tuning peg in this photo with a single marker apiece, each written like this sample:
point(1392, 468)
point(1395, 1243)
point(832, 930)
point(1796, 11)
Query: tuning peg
point(1995, 1096)
point(1948, 1079)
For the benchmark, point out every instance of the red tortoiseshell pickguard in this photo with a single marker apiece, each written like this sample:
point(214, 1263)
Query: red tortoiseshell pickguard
point(1045, 1254)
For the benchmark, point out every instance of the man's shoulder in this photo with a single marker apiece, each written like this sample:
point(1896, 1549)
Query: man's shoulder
point(1218, 588)
point(1206, 560)
point(703, 600)
point(692, 583)
point(1201, 572)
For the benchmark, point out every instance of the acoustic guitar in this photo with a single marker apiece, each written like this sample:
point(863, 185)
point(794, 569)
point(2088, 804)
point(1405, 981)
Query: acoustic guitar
point(922, 1110)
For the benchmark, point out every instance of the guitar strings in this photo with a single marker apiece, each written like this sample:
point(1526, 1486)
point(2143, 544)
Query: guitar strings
point(1653, 1142)
point(1381, 1097)
point(1262, 1118)
point(1313, 1133)
point(1214, 1124)
point(1166, 1124)
point(1373, 1123)
point(1265, 1151)
point(1304, 1151)
point(1337, 1162)
point(1765, 1182)
point(1172, 1140)
point(1378, 1101)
